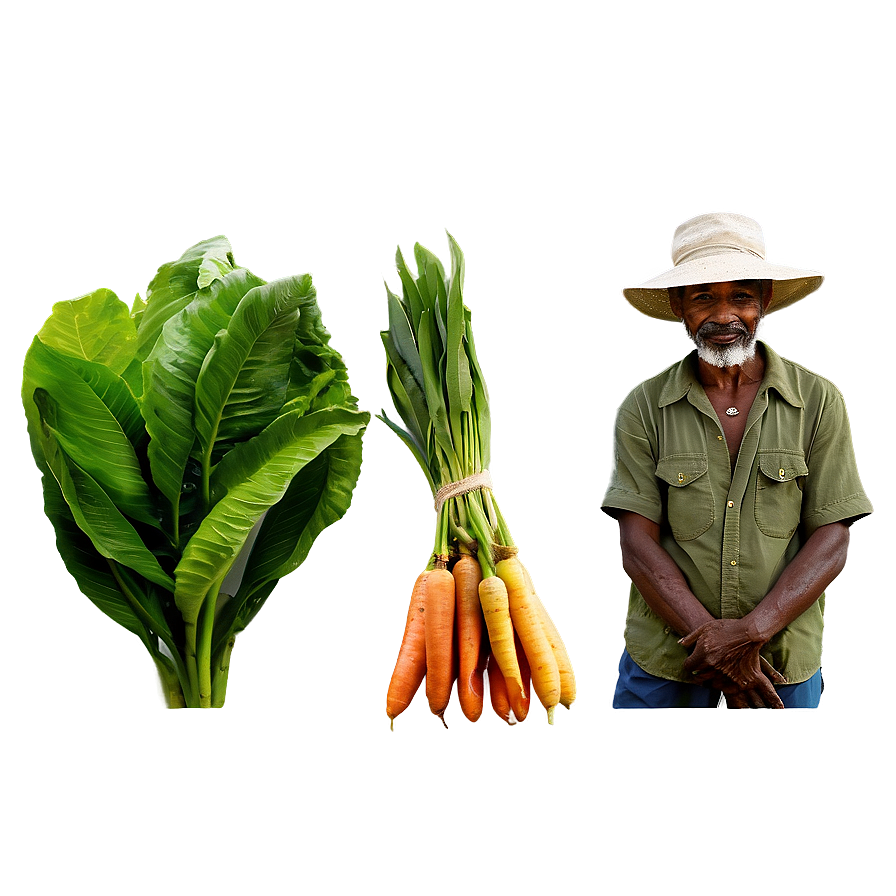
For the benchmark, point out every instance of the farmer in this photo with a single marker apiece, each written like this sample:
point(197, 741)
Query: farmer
point(734, 486)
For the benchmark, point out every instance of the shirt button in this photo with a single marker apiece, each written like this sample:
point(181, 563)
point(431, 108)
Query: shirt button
point(734, 562)
point(781, 473)
point(731, 503)
point(719, 438)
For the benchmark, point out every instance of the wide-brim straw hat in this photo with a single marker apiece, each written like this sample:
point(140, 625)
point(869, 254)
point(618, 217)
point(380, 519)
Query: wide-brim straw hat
point(717, 248)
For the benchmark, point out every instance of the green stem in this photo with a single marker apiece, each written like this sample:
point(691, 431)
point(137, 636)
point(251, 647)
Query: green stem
point(206, 623)
point(222, 670)
point(489, 508)
point(171, 686)
point(128, 589)
point(190, 661)
point(467, 440)
point(175, 524)
point(503, 530)
point(206, 476)
point(459, 532)
point(440, 548)
point(482, 532)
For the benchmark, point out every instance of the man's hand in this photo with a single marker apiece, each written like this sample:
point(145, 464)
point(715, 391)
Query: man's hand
point(725, 657)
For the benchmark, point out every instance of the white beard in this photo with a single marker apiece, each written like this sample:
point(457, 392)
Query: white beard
point(734, 355)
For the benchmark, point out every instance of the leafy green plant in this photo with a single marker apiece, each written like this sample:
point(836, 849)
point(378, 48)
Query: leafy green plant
point(192, 448)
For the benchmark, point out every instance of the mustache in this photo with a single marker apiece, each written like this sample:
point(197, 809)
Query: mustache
point(710, 328)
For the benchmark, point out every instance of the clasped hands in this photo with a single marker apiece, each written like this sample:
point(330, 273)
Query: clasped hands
point(726, 657)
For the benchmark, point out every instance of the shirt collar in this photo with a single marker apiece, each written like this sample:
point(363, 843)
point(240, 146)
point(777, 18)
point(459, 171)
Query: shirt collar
point(779, 375)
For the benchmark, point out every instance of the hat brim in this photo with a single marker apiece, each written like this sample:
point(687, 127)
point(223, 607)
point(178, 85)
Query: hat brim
point(790, 284)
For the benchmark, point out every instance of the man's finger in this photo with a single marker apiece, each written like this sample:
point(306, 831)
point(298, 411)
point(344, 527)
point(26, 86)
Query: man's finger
point(695, 663)
point(756, 702)
point(771, 671)
point(768, 693)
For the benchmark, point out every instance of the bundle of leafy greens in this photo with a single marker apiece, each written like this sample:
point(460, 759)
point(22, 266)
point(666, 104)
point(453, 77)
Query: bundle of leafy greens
point(192, 449)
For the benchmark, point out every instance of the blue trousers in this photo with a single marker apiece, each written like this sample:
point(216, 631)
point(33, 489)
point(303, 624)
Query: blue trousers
point(637, 689)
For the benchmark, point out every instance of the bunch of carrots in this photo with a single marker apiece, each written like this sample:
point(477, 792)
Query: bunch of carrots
point(474, 613)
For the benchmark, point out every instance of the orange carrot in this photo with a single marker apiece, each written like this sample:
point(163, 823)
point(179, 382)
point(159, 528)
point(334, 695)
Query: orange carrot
point(439, 636)
point(497, 691)
point(496, 611)
point(410, 667)
point(512, 706)
point(467, 576)
point(567, 676)
point(527, 623)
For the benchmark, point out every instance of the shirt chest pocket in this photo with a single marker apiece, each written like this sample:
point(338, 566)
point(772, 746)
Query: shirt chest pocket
point(689, 504)
point(779, 492)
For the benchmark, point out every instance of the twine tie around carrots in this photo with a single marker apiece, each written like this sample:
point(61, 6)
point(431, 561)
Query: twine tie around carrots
point(462, 486)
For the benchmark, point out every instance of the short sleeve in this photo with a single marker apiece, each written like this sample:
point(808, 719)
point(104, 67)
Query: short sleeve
point(833, 490)
point(633, 484)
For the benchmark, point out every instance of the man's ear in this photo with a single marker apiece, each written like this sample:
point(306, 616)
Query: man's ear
point(675, 300)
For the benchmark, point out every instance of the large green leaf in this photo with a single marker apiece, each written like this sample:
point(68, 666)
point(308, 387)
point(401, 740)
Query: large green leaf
point(309, 364)
point(95, 513)
point(318, 496)
point(85, 563)
point(115, 394)
point(311, 329)
point(291, 438)
point(96, 327)
point(252, 478)
point(170, 372)
point(244, 378)
point(176, 283)
point(126, 599)
point(96, 420)
point(313, 357)
point(305, 399)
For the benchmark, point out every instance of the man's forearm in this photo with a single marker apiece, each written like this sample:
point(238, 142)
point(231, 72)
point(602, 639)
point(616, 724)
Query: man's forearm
point(817, 564)
point(656, 575)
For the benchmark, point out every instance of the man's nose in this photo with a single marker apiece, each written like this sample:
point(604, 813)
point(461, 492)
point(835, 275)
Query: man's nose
point(726, 312)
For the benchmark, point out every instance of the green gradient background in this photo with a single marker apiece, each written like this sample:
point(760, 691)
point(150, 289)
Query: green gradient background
point(560, 143)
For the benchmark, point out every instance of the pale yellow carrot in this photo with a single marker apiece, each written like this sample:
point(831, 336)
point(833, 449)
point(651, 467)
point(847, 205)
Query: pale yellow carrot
point(528, 624)
point(496, 611)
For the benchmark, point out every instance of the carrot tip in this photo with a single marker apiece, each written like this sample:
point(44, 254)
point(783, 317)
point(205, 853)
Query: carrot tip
point(551, 715)
point(442, 717)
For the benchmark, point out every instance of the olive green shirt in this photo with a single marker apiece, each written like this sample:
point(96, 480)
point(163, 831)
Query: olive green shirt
point(733, 531)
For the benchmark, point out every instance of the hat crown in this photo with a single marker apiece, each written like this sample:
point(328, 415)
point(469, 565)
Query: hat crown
point(717, 234)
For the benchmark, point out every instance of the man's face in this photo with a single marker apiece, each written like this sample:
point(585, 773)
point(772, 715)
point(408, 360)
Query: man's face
point(722, 318)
